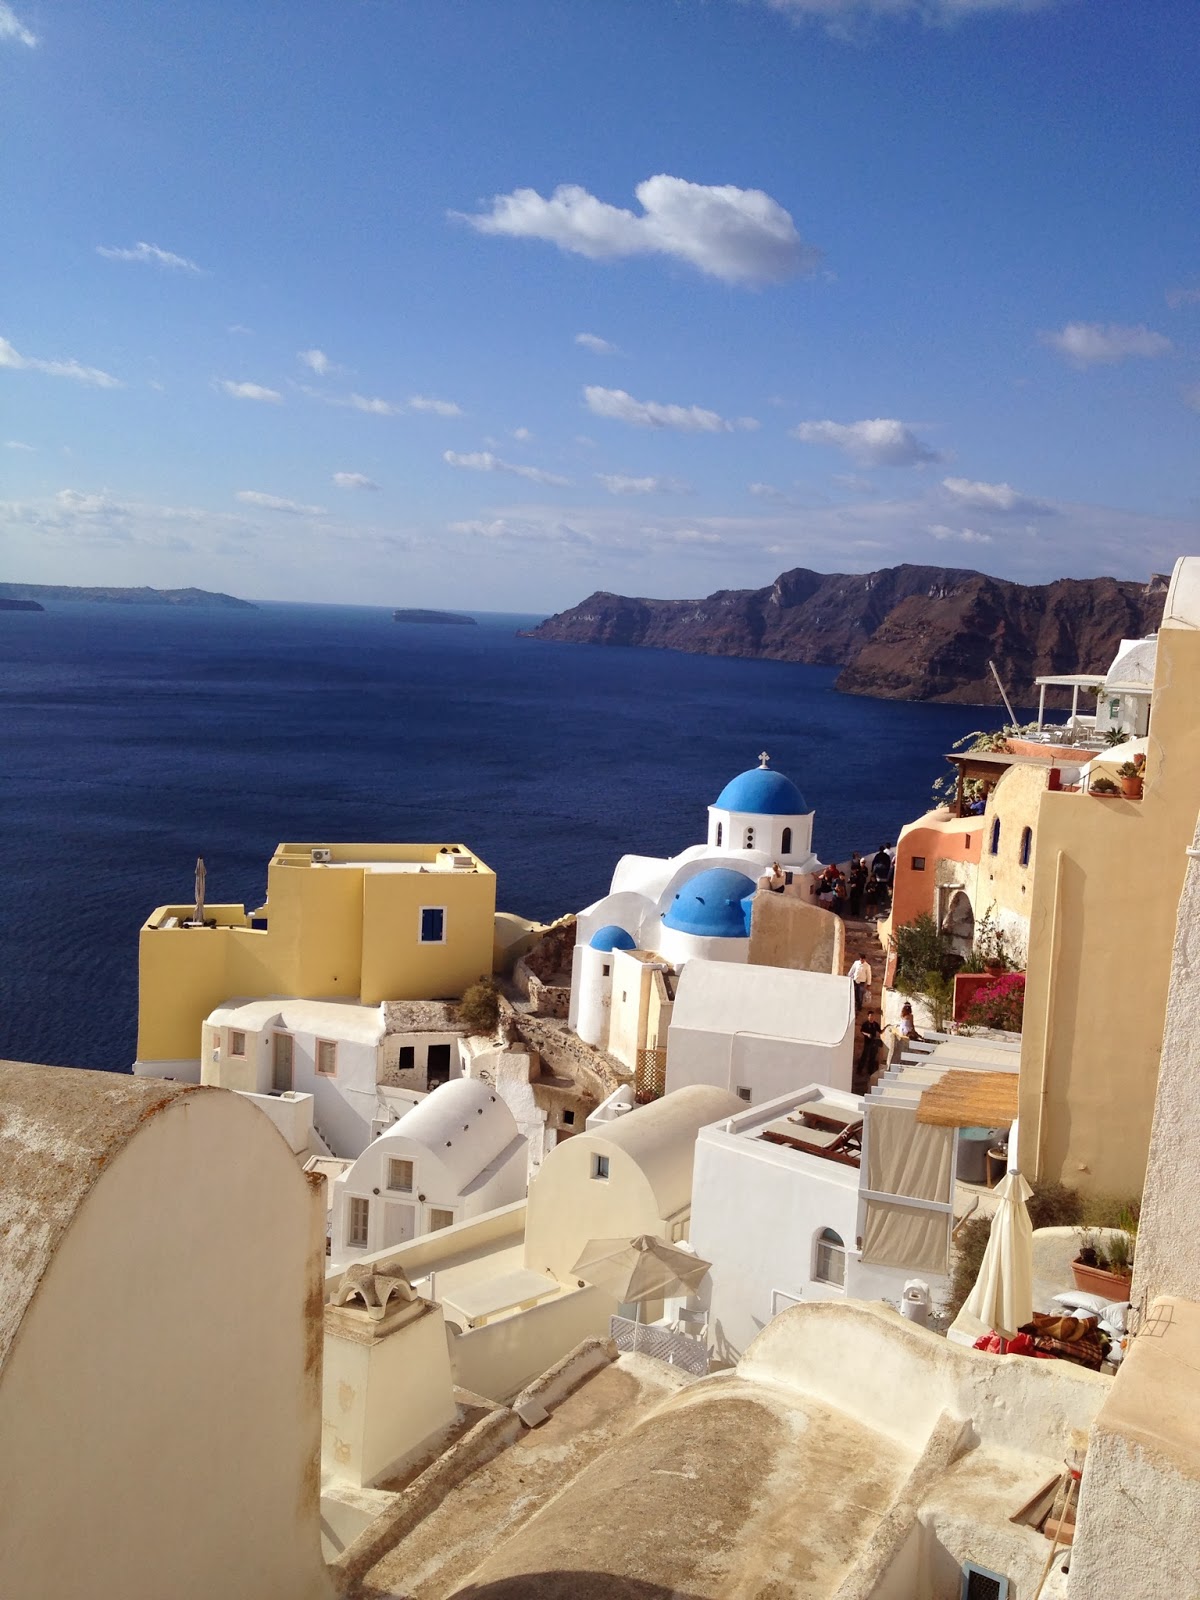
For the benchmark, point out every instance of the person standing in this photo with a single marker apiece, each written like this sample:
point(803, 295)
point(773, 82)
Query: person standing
point(860, 977)
point(858, 883)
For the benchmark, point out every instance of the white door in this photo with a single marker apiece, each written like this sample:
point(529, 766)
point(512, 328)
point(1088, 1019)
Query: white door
point(399, 1223)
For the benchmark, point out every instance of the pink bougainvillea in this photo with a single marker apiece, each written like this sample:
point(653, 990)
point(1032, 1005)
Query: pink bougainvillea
point(1000, 1005)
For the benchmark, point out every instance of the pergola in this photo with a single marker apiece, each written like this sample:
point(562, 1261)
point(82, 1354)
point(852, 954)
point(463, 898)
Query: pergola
point(987, 765)
point(1070, 680)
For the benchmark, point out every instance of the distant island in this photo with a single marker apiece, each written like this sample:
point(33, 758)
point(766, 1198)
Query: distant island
point(902, 633)
point(418, 615)
point(8, 604)
point(121, 597)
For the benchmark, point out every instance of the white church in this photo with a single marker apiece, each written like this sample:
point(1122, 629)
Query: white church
point(696, 903)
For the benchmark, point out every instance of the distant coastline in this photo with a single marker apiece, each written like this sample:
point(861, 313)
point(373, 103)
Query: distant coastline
point(7, 603)
point(434, 617)
point(114, 595)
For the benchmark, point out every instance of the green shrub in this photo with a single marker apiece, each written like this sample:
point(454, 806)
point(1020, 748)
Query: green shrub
point(920, 949)
point(479, 1008)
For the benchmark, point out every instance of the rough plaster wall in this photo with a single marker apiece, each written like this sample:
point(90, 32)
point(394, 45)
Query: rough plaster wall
point(1168, 1252)
point(160, 1408)
point(1138, 1519)
point(787, 932)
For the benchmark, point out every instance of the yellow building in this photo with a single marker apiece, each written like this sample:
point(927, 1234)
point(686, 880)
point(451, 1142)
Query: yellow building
point(365, 922)
point(1108, 877)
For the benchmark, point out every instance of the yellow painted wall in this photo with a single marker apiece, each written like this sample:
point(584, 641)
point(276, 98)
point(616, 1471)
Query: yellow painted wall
point(1003, 885)
point(1108, 875)
point(344, 932)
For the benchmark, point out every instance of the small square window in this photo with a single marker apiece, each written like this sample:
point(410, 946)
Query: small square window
point(569, 1119)
point(605, 970)
point(406, 1059)
point(599, 1166)
point(440, 1219)
point(237, 1044)
point(327, 1058)
point(743, 1092)
point(433, 924)
point(918, 863)
point(359, 1224)
point(400, 1176)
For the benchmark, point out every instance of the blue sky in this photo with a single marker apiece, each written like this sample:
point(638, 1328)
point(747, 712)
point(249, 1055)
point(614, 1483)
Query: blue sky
point(492, 303)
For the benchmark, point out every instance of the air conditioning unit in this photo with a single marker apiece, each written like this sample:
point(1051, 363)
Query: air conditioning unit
point(320, 855)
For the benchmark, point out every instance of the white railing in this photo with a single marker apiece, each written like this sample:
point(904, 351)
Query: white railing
point(663, 1344)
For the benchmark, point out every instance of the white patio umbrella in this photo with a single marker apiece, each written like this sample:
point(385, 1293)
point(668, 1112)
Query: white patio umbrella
point(200, 875)
point(641, 1269)
point(1002, 1298)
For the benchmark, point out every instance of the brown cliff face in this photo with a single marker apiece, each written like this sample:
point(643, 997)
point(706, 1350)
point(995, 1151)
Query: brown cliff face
point(903, 633)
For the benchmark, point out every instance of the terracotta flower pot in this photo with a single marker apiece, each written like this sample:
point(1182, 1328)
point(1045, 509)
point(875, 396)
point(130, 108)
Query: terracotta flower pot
point(1131, 788)
point(1096, 1280)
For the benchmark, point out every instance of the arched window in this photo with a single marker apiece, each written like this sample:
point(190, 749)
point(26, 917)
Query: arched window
point(785, 842)
point(995, 835)
point(1026, 846)
point(829, 1259)
point(749, 839)
point(720, 833)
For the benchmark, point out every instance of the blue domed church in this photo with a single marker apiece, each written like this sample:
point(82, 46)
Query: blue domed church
point(698, 903)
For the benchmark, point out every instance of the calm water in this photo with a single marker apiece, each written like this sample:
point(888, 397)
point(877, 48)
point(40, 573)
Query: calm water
point(132, 741)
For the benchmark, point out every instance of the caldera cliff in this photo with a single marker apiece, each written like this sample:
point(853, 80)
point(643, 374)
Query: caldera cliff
point(902, 633)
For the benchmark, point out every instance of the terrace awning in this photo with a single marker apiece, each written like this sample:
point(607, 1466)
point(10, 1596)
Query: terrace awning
point(970, 1099)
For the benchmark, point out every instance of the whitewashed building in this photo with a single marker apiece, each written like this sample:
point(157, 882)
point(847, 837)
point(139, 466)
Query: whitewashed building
point(697, 903)
point(775, 1202)
point(455, 1155)
point(760, 1031)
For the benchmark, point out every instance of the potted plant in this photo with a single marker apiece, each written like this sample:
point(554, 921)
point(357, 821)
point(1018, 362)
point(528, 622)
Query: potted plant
point(1131, 774)
point(1104, 787)
point(1104, 1266)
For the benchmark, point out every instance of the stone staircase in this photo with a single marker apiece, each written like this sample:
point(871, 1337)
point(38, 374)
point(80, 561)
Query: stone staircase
point(862, 939)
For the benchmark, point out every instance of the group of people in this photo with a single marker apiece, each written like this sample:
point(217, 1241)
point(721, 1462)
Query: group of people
point(864, 885)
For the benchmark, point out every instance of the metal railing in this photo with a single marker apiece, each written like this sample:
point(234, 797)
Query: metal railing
point(663, 1344)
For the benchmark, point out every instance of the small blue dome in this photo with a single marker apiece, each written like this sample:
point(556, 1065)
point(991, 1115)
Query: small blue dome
point(610, 937)
point(762, 793)
point(713, 905)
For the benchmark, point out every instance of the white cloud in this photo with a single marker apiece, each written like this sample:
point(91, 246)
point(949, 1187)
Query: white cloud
point(92, 376)
point(845, 18)
point(1178, 298)
point(250, 391)
point(1090, 344)
point(149, 253)
point(11, 27)
point(992, 497)
point(522, 434)
point(238, 327)
point(354, 480)
point(963, 535)
point(316, 361)
point(440, 408)
point(737, 235)
point(618, 483)
point(18, 444)
point(619, 406)
point(875, 442)
point(772, 495)
point(485, 461)
point(594, 343)
point(273, 502)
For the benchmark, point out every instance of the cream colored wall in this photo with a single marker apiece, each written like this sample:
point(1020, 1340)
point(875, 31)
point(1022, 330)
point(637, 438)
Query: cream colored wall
point(385, 1394)
point(567, 1206)
point(160, 1410)
point(1107, 881)
point(659, 1007)
point(786, 931)
point(503, 1356)
point(1002, 885)
point(632, 980)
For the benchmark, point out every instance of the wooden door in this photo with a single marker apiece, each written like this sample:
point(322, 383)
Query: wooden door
point(281, 1063)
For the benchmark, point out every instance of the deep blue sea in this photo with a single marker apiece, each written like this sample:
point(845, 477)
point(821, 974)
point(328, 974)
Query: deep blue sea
point(133, 740)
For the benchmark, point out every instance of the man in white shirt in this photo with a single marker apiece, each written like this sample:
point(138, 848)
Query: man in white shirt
point(860, 977)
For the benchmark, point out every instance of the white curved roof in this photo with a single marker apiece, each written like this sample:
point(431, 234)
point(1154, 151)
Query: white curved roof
point(464, 1123)
point(661, 1138)
point(726, 997)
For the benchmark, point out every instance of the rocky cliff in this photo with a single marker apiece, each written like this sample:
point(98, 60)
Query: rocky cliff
point(903, 633)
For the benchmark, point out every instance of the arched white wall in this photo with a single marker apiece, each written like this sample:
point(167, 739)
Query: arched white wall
point(593, 986)
point(768, 834)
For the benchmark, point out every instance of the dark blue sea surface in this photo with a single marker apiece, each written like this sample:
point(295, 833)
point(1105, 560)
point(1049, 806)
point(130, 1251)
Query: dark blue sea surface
point(133, 740)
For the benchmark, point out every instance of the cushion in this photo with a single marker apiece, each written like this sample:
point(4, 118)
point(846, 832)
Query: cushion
point(1079, 1300)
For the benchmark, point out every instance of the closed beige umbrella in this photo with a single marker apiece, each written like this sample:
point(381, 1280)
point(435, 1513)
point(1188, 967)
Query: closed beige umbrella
point(199, 916)
point(645, 1268)
point(1002, 1298)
